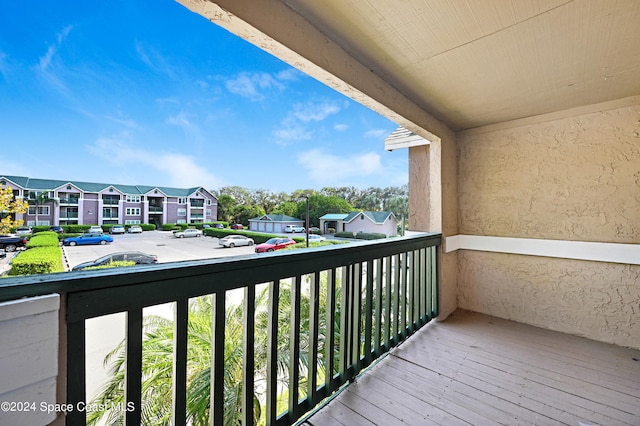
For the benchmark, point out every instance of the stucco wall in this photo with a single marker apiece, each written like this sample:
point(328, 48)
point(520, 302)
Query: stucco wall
point(574, 178)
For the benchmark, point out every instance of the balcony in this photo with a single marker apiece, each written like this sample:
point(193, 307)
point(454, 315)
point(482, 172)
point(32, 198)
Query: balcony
point(155, 209)
point(69, 201)
point(197, 203)
point(362, 299)
point(111, 201)
point(68, 215)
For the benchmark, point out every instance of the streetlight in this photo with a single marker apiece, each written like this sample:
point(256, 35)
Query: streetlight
point(306, 229)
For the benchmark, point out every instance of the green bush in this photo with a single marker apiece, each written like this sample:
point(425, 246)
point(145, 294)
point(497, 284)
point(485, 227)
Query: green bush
point(170, 227)
point(116, 264)
point(303, 244)
point(344, 234)
point(370, 236)
point(38, 260)
point(43, 239)
point(146, 227)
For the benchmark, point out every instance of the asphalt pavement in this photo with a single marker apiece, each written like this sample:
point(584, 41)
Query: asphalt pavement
point(160, 243)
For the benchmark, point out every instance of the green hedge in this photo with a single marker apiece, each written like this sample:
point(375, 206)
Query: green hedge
point(43, 239)
point(116, 264)
point(344, 234)
point(370, 236)
point(38, 260)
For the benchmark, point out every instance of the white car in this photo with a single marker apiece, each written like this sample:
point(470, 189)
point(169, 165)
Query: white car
point(313, 238)
point(236, 240)
point(189, 232)
point(294, 228)
point(95, 230)
point(135, 229)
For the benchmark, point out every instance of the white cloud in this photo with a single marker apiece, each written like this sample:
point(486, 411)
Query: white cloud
point(290, 74)
point(289, 134)
point(315, 111)
point(341, 127)
point(251, 85)
point(176, 169)
point(328, 168)
point(376, 133)
point(45, 62)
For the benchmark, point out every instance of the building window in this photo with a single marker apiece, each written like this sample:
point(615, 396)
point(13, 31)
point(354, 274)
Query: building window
point(182, 201)
point(133, 199)
point(208, 213)
point(182, 212)
point(132, 222)
point(208, 202)
point(182, 221)
point(43, 210)
point(133, 211)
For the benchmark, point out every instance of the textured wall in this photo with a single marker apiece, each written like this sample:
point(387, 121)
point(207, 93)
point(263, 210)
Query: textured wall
point(575, 179)
point(571, 179)
point(593, 299)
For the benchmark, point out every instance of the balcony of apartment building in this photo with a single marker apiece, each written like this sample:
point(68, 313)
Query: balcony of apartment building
point(156, 205)
point(112, 200)
point(68, 199)
point(68, 213)
point(523, 196)
point(196, 204)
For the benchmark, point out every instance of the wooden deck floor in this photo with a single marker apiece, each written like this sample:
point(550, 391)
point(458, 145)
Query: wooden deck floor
point(480, 370)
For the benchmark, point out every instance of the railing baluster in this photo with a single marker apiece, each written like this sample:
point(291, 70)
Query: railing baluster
point(345, 334)
point(388, 318)
point(357, 315)
point(330, 342)
point(314, 301)
point(180, 326)
point(294, 349)
point(368, 313)
point(434, 281)
point(272, 352)
point(248, 349)
point(396, 299)
point(76, 371)
point(217, 367)
point(403, 296)
point(378, 318)
point(423, 287)
point(133, 372)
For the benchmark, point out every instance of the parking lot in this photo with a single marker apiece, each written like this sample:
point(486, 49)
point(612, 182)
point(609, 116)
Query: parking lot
point(161, 243)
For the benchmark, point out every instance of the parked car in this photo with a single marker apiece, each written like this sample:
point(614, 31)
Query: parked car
point(132, 256)
point(57, 229)
point(313, 238)
point(235, 240)
point(189, 232)
point(314, 230)
point(117, 229)
point(135, 229)
point(24, 230)
point(293, 228)
point(95, 230)
point(237, 226)
point(2, 253)
point(274, 244)
point(86, 239)
point(11, 243)
point(218, 225)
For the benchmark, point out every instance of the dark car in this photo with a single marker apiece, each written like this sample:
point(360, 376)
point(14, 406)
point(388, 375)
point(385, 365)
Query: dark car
point(218, 225)
point(274, 244)
point(130, 256)
point(57, 229)
point(85, 239)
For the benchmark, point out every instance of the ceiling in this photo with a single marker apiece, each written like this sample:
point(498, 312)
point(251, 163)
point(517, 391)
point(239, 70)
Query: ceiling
point(471, 63)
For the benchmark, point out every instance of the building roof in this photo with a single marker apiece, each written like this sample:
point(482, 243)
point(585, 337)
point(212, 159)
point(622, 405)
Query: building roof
point(276, 218)
point(334, 216)
point(403, 138)
point(375, 217)
point(94, 187)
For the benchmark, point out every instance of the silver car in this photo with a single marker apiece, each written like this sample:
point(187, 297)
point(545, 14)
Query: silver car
point(189, 232)
point(235, 240)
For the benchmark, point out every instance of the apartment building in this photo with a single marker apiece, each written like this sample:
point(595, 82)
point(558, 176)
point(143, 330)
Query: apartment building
point(84, 203)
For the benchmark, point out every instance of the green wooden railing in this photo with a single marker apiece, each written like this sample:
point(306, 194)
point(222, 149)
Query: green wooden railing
point(374, 294)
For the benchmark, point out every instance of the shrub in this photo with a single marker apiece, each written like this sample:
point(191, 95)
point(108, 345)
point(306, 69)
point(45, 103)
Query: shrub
point(170, 227)
point(116, 264)
point(148, 227)
point(370, 236)
point(344, 234)
point(38, 260)
point(43, 239)
point(258, 237)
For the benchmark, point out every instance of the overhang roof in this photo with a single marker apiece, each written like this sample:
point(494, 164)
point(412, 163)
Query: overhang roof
point(465, 63)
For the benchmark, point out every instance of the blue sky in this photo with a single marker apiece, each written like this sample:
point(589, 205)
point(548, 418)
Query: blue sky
point(147, 92)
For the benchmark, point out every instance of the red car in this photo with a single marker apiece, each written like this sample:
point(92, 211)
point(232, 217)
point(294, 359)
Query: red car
point(274, 244)
point(236, 226)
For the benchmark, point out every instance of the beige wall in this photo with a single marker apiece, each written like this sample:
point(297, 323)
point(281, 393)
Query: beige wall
point(574, 178)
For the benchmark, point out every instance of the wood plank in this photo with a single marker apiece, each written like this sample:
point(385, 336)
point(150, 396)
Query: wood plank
point(482, 370)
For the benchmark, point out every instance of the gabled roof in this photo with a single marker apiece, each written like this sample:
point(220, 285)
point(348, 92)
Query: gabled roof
point(375, 217)
point(276, 218)
point(334, 216)
point(94, 187)
point(403, 138)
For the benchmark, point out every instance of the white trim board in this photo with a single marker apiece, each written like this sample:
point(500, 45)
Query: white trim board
point(580, 250)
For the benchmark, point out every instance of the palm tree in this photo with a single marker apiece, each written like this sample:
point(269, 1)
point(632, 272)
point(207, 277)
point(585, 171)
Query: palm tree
point(40, 199)
point(157, 362)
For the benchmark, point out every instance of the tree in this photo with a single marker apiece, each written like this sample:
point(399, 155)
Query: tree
point(157, 360)
point(226, 204)
point(319, 205)
point(39, 199)
point(288, 208)
point(9, 207)
point(242, 213)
